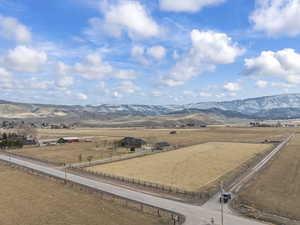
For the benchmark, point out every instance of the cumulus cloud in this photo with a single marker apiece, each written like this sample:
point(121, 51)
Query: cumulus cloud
point(187, 5)
point(125, 16)
point(277, 17)
point(64, 80)
point(205, 94)
point(25, 60)
point(209, 48)
point(138, 53)
point(6, 79)
point(232, 87)
point(12, 29)
point(262, 83)
point(283, 63)
point(125, 74)
point(82, 96)
point(93, 67)
point(127, 87)
point(158, 52)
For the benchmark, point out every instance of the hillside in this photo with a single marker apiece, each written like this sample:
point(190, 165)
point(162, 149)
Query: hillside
point(270, 107)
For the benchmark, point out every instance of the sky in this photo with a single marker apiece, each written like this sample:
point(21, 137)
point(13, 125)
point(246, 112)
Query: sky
point(92, 52)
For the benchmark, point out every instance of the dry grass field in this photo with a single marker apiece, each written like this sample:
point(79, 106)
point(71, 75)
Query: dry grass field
point(32, 200)
point(183, 137)
point(188, 168)
point(277, 189)
point(69, 153)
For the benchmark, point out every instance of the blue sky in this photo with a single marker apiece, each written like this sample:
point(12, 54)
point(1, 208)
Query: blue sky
point(147, 52)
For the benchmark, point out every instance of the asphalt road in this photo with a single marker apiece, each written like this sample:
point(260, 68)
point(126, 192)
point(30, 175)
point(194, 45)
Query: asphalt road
point(195, 215)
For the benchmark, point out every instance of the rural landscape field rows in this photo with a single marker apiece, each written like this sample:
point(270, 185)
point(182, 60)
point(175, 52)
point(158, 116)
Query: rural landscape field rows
point(101, 145)
point(188, 168)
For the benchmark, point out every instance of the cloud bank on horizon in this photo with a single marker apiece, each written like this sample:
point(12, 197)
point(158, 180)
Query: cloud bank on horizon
point(148, 52)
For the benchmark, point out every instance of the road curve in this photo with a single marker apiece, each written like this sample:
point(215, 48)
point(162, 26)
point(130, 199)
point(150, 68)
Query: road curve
point(195, 215)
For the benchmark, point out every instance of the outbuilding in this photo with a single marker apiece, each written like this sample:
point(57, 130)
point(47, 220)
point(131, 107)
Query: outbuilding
point(68, 140)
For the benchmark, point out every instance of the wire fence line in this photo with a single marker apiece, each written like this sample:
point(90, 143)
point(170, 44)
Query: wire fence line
point(9, 153)
point(170, 216)
point(203, 194)
point(123, 157)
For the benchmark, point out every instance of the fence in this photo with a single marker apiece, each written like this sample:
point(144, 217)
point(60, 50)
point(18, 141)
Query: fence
point(122, 157)
point(172, 217)
point(9, 153)
point(203, 194)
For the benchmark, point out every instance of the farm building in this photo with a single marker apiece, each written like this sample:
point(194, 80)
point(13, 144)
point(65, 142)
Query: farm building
point(68, 140)
point(130, 142)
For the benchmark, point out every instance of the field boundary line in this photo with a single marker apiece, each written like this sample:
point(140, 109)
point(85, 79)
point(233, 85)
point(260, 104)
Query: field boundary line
point(175, 218)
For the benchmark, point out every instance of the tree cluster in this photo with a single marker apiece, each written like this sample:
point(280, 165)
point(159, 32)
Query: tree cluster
point(11, 141)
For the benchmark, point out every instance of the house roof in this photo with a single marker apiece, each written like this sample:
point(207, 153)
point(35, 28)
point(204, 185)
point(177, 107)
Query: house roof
point(70, 138)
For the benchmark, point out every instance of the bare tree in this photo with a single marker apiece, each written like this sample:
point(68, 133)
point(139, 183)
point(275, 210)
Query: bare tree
point(27, 130)
point(90, 158)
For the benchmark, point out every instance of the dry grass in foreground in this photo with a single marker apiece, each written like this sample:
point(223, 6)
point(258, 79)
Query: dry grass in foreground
point(277, 189)
point(32, 200)
point(188, 168)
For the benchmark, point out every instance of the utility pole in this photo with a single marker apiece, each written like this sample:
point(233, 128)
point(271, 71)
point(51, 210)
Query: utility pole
point(222, 203)
point(65, 173)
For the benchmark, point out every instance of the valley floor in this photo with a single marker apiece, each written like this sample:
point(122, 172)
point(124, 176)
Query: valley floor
point(277, 189)
point(28, 199)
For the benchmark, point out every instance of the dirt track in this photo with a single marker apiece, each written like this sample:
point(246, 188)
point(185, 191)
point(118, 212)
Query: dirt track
point(277, 189)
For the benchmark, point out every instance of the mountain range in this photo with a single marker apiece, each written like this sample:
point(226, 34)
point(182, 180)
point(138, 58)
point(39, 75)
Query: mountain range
point(269, 107)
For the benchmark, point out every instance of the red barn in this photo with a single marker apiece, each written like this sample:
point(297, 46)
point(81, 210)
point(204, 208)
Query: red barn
point(68, 140)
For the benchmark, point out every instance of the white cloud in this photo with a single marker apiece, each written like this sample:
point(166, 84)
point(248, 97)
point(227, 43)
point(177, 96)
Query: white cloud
point(25, 60)
point(34, 83)
point(158, 52)
point(82, 96)
point(277, 17)
point(64, 80)
point(205, 94)
point(187, 5)
point(138, 53)
point(130, 17)
point(262, 83)
point(12, 29)
point(116, 94)
point(232, 87)
point(93, 67)
point(156, 93)
point(283, 63)
point(125, 74)
point(209, 48)
point(6, 79)
point(127, 87)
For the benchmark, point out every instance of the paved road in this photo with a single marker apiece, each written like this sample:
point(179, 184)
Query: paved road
point(195, 215)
